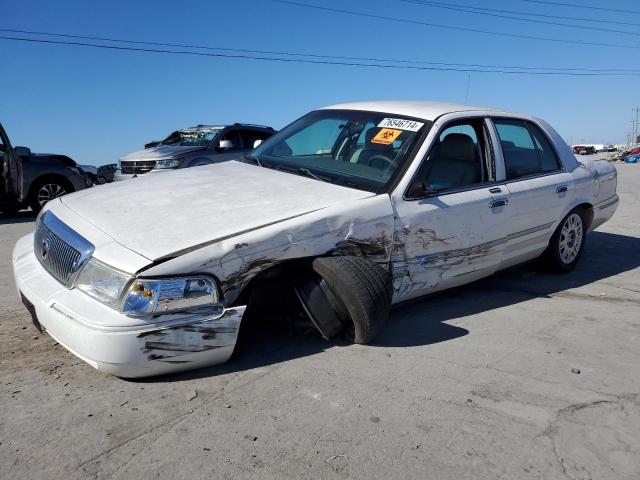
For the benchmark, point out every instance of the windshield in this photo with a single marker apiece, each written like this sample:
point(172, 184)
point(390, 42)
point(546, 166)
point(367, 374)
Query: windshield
point(192, 137)
point(353, 148)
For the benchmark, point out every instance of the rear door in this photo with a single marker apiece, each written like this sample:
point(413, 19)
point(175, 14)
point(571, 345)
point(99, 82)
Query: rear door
point(452, 223)
point(11, 170)
point(538, 186)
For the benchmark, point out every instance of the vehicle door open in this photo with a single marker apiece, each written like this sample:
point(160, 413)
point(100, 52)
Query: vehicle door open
point(11, 189)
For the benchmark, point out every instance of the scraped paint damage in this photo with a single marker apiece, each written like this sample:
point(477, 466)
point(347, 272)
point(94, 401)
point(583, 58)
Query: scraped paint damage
point(171, 343)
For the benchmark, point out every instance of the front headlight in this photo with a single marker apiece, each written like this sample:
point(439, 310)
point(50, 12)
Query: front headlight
point(147, 296)
point(102, 282)
point(168, 163)
point(143, 296)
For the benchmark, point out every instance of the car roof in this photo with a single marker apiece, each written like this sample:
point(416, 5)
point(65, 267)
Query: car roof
point(418, 109)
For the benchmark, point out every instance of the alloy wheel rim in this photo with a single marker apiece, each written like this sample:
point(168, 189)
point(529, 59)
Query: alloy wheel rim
point(571, 238)
point(48, 192)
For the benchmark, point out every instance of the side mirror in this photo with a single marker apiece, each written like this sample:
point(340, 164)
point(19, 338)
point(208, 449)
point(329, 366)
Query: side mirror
point(225, 145)
point(151, 144)
point(22, 151)
point(257, 143)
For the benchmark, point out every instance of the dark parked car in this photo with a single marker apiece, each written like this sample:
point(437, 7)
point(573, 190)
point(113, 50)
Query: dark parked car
point(584, 149)
point(194, 146)
point(106, 172)
point(32, 179)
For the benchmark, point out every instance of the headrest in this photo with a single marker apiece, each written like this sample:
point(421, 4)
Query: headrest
point(458, 146)
point(372, 132)
point(506, 144)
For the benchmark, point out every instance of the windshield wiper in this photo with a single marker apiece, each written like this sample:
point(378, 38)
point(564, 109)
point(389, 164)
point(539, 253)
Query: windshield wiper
point(309, 173)
point(253, 159)
point(304, 171)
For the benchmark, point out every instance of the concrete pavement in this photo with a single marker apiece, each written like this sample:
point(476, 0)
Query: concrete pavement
point(521, 375)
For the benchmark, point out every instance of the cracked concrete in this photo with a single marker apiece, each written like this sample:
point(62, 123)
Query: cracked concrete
point(473, 383)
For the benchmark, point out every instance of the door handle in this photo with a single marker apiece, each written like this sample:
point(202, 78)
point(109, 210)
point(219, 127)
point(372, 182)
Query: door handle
point(500, 202)
point(495, 190)
point(561, 189)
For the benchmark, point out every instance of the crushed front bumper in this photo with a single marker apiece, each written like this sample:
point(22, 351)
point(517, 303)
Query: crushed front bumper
point(114, 343)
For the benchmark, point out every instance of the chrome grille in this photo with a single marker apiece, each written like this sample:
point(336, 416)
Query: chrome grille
point(59, 249)
point(137, 167)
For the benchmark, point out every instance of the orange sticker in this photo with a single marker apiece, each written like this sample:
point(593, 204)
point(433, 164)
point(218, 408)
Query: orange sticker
point(386, 136)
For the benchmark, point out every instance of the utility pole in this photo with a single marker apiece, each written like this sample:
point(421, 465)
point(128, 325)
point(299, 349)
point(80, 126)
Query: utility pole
point(635, 128)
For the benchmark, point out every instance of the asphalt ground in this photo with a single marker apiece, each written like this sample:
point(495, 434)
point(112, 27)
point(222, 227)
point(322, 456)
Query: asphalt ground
point(520, 375)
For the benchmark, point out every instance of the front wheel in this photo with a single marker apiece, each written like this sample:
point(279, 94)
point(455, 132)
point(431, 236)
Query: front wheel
point(44, 192)
point(567, 243)
point(348, 293)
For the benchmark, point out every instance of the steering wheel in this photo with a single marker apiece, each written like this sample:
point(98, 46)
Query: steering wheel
point(384, 158)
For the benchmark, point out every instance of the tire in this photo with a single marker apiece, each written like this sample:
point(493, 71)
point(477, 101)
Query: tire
point(363, 291)
point(46, 190)
point(567, 243)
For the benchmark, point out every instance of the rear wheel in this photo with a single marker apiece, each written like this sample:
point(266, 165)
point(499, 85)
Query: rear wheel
point(45, 191)
point(567, 243)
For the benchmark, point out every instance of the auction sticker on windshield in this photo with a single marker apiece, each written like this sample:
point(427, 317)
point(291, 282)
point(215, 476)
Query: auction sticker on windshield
point(386, 136)
point(401, 123)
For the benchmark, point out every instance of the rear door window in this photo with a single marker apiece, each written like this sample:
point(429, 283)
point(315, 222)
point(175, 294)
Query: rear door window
point(548, 157)
point(525, 149)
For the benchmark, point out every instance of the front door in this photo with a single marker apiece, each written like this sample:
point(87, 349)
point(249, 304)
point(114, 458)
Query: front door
point(452, 224)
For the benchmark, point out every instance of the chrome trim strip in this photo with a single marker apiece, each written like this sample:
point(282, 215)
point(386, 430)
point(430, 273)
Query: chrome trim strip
point(609, 204)
point(480, 249)
point(529, 231)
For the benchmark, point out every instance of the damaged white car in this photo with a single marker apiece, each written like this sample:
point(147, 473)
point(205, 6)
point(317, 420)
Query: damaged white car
point(345, 212)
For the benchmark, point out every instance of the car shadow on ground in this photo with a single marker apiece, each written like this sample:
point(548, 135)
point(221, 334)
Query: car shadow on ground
point(23, 216)
point(424, 321)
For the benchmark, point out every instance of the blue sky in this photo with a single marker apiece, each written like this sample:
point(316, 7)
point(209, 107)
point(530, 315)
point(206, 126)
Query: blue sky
point(96, 105)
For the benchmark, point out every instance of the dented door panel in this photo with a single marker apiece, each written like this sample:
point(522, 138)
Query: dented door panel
point(448, 240)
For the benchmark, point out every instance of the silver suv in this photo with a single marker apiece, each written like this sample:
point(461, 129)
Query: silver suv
point(190, 147)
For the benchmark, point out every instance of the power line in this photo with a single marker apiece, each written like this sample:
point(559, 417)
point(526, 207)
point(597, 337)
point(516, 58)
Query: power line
point(311, 55)
point(451, 27)
point(541, 15)
point(590, 7)
point(464, 8)
point(302, 60)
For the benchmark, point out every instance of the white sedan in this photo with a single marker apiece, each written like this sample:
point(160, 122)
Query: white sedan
point(344, 213)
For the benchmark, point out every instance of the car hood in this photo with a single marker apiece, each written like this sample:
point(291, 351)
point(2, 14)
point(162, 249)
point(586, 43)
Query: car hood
point(161, 151)
point(162, 215)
